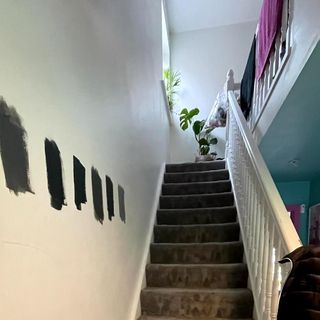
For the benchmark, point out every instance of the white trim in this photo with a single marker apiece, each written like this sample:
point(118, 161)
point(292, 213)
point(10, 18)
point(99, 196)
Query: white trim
point(135, 306)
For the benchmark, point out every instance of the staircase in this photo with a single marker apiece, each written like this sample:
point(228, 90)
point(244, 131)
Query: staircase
point(196, 270)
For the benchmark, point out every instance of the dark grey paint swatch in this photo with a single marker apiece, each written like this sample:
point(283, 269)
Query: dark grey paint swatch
point(110, 202)
point(13, 149)
point(97, 195)
point(79, 179)
point(54, 174)
point(122, 208)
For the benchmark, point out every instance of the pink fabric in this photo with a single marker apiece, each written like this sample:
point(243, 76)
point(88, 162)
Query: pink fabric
point(269, 25)
point(295, 211)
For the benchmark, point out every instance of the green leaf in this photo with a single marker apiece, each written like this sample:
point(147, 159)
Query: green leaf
point(184, 126)
point(204, 150)
point(193, 112)
point(184, 111)
point(214, 141)
point(209, 130)
point(196, 127)
point(203, 142)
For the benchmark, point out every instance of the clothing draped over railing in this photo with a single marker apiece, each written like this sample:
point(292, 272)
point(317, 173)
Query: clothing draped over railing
point(271, 54)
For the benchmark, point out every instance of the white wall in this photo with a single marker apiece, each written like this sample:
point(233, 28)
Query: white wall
point(203, 57)
point(86, 74)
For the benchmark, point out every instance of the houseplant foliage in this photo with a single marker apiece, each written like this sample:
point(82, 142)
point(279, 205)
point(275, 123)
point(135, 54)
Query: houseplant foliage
point(172, 82)
point(203, 136)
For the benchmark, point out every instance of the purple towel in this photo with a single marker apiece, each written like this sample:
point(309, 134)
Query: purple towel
point(269, 25)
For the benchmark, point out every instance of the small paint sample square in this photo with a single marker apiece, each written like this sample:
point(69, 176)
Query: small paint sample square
point(122, 207)
point(97, 195)
point(54, 174)
point(110, 201)
point(13, 148)
point(79, 179)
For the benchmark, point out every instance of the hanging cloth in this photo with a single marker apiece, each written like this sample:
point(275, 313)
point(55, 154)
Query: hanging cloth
point(247, 82)
point(269, 25)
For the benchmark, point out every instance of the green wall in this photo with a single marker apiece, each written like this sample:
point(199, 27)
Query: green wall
point(298, 192)
point(315, 192)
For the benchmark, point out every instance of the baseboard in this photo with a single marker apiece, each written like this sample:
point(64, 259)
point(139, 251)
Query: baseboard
point(135, 309)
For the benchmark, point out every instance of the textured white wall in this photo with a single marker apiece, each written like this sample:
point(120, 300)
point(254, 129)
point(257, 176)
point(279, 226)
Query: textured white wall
point(203, 57)
point(86, 74)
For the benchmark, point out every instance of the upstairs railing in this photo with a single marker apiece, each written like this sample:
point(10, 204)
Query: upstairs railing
point(277, 60)
point(266, 228)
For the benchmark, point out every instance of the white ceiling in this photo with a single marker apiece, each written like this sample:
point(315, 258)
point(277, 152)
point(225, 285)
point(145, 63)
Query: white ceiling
point(190, 15)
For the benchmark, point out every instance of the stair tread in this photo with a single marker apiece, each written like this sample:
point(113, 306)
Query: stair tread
point(180, 167)
point(192, 210)
point(196, 172)
point(196, 195)
point(225, 243)
point(198, 290)
point(170, 318)
point(202, 225)
point(202, 265)
point(198, 182)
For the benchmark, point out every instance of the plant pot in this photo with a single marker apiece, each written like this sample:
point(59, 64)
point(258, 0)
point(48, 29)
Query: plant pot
point(207, 157)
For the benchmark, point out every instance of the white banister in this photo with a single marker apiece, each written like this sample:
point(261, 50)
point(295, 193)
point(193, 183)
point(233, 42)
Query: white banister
point(266, 228)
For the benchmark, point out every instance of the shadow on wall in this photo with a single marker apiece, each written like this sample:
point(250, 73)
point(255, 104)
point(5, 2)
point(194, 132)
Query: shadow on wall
point(15, 160)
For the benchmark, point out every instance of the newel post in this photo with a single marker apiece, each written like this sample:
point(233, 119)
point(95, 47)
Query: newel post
point(228, 86)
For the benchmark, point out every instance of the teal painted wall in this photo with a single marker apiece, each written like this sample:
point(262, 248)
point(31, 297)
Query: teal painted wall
point(315, 192)
point(297, 192)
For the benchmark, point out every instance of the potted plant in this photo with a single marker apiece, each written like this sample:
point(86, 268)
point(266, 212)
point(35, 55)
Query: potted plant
point(172, 82)
point(203, 136)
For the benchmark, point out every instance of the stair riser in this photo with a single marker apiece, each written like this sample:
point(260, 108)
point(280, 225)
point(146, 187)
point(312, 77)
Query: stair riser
point(196, 188)
point(198, 201)
point(196, 254)
point(200, 166)
point(196, 276)
point(196, 234)
point(197, 306)
point(196, 176)
point(196, 216)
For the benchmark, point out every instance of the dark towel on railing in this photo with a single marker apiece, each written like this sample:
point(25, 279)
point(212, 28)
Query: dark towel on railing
point(247, 82)
point(269, 25)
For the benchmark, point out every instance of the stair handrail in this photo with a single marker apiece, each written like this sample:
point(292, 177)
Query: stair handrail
point(266, 228)
point(280, 214)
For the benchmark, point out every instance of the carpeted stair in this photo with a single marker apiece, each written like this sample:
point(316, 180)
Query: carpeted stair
point(196, 270)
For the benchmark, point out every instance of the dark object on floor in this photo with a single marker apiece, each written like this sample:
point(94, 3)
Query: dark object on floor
point(300, 297)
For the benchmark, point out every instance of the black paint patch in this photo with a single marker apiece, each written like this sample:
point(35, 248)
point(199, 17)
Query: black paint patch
point(13, 149)
point(122, 208)
point(54, 174)
point(110, 202)
point(97, 195)
point(79, 178)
